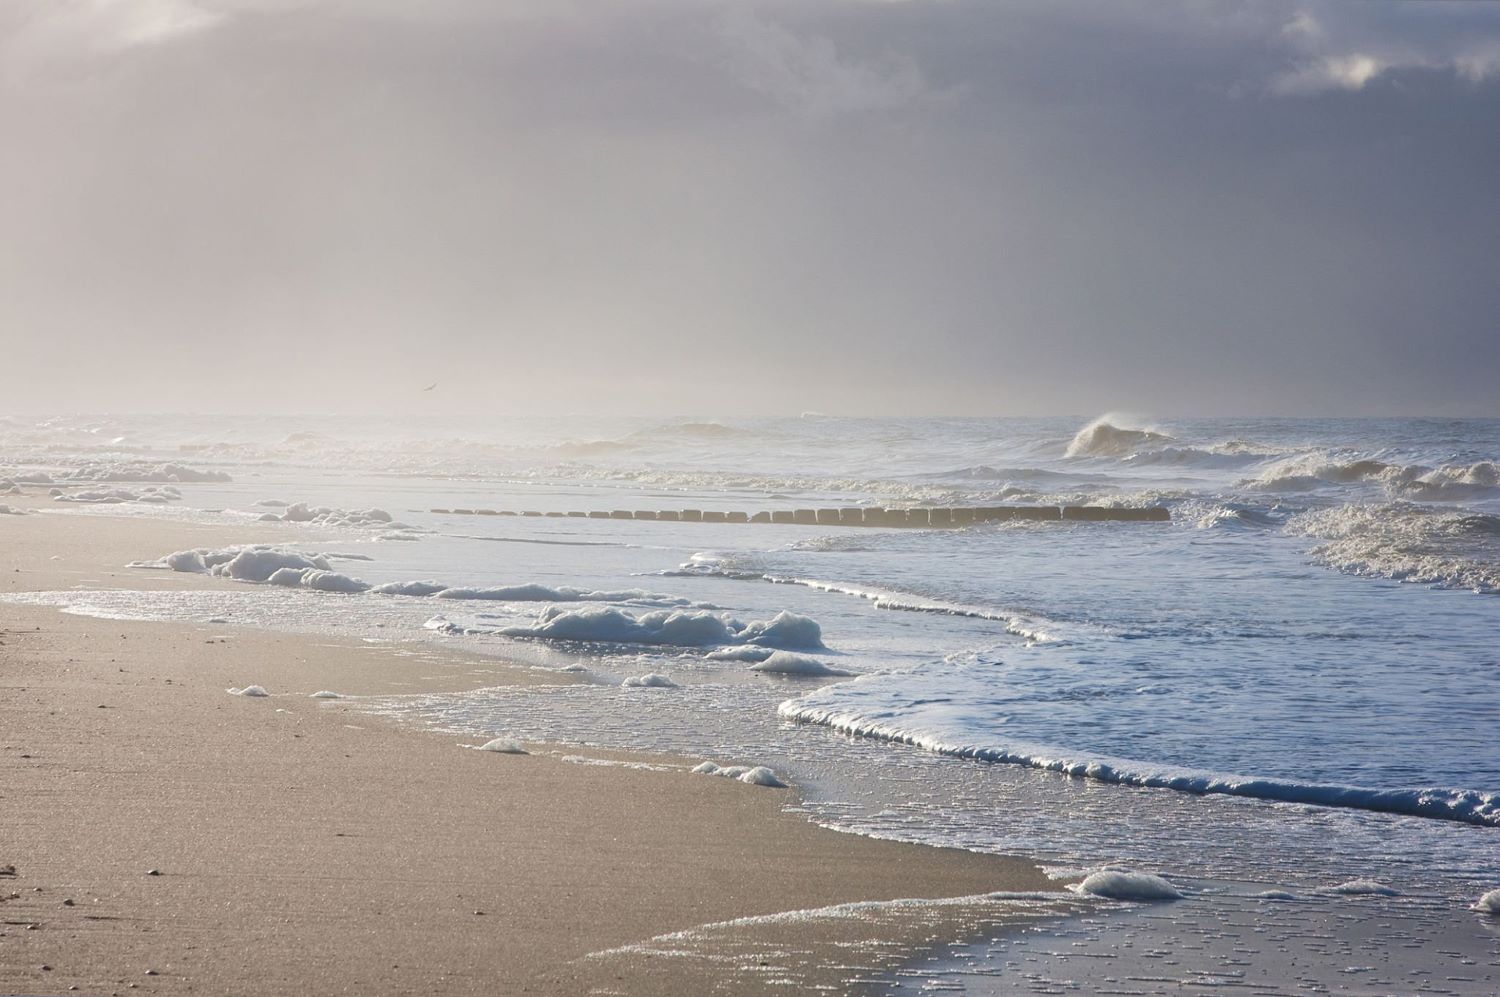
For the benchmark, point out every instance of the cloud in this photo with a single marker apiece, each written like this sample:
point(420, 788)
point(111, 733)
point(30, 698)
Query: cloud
point(808, 75)
point(1339, 72)
point(1344, 48)
point(38, 36)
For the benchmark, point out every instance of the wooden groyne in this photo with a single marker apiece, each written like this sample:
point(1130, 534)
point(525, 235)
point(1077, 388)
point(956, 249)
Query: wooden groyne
point(923, 518)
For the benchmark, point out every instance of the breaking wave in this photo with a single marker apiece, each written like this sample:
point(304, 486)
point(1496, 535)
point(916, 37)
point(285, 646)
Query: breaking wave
point(1468, 806)
point(1407, 543)
point(1102, 438)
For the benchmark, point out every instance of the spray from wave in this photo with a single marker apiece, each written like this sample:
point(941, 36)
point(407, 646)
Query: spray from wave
point(1115, 434)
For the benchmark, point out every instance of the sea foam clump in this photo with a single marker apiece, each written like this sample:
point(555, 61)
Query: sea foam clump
point(651, 680)
point(322, 515)
point(417, 588)
point(744, 652)
point(313, 578)
point(252, 691)
point(258, 564)
point(504, 746)
point(262, 563)
point(751, 775)
point(136, 471)
point(790, 663)
point(152, 495)
point(681, 628)
point(1488, 904)
point(1121, 884)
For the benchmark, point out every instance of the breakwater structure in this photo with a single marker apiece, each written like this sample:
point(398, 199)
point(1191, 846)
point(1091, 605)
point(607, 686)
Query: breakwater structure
point(942, 517)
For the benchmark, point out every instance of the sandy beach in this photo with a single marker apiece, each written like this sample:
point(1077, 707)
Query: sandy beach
point(168, 837)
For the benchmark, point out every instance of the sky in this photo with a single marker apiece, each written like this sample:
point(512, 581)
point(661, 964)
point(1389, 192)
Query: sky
point(891, 207)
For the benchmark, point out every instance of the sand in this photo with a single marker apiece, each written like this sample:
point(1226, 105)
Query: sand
point(168, 837)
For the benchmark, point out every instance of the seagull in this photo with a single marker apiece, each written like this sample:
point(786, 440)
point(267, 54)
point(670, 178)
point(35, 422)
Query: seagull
point(430, 386)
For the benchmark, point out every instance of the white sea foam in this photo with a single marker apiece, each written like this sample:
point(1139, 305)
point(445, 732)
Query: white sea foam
point(1364, 888)
point(744, 652)
point(681, 628)
point(151, 495)
point(790, 663)
point(1407, 543)
point(651, 680)
point(752, 775)
point(503, 746)
point(258, 564)
point(534, 592)
point(416, 588)
point(325, 694)
point(1489, 903)
point(313, 578)
point(132, 471)
point(1122, 884)
point(253, 691)
point(1469, 806)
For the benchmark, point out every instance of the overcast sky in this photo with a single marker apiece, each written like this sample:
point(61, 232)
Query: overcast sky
point(692, 206)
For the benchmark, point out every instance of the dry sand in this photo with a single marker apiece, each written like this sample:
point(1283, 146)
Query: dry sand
point(304, 846)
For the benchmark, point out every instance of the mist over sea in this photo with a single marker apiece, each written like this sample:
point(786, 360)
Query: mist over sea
point(1303, 656)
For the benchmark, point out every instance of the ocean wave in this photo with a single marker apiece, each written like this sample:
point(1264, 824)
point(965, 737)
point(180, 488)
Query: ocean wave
point(705, 565)
point(1468, 806)
point(984, 472)
point(1407, 543)
point(1418, 482)
point(1103, 438)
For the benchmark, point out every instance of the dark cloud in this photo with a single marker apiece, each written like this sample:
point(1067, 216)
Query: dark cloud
point(857, 206)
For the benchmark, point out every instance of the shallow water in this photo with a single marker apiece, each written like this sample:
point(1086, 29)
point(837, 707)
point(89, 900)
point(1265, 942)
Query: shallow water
point(1306, 630)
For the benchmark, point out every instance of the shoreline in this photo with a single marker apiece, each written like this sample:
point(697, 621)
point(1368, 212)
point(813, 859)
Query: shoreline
point(305, 844)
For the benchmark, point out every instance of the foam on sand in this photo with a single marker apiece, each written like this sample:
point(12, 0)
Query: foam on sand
point(790, 663)
point(1122, 884)
point(652, 680)
point(745, 652)
point(416, 588)
point(680, 628)
point(130, 471)
point(253, 691)
point(313, 578)
point(258, 564)
point(154, 495)
point(325, 694)
point(322, 515)
point(7, 510)
point(750, 775)
point(503, 746)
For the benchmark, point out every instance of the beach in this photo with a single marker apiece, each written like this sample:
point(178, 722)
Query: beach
point(169, 837)
point(1238, 735)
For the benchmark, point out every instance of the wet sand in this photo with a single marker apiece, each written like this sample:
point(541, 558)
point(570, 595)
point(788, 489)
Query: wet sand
point(170, 838)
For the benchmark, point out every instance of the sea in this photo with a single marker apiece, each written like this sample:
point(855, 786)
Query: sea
point(1291, 686)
